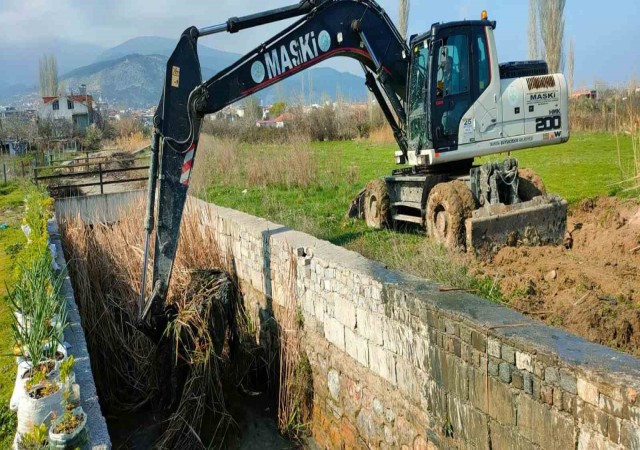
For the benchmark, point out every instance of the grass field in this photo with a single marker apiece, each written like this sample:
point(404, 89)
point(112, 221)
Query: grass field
point(256, 179)
point(11, 201)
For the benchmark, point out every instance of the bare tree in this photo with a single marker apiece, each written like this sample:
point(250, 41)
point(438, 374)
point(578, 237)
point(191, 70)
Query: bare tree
point(551, 20)
point(571, 65)
point(533, 30)
point(48, 71)
point(404, 17)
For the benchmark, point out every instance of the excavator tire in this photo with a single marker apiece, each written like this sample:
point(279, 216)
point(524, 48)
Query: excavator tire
point(446, 213)
point(466, 197)
point(376, 204)
point(530, 185)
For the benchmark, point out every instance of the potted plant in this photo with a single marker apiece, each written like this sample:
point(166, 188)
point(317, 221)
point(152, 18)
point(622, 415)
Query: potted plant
point(39, 315)
point(69, 430)
point(34, 440)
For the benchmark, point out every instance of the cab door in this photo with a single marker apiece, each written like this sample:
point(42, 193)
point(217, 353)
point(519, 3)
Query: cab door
point(487, 110)
point(451, 81)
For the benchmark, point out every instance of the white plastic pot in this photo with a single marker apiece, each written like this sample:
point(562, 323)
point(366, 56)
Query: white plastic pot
point(72, 440)
point(34, 412)
point(21, 380)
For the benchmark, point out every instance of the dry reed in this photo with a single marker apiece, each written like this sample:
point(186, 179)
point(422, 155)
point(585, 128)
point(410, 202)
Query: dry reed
point(105, 265)
point(295, 391)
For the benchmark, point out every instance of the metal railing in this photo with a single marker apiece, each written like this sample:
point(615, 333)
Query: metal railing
point(102, 171)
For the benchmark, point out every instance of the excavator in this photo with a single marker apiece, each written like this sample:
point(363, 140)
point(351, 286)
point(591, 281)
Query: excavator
point(444, 94)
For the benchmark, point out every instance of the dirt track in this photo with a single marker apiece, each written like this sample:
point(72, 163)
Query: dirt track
point(592, 289)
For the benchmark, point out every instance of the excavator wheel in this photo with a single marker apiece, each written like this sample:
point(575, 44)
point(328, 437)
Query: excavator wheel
point(466, 197)
point(376, 204)
point(447, 210)
point(530, 185)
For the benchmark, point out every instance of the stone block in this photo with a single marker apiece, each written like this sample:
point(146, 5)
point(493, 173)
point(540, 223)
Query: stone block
point(523, 361)
point(370, 326)
point(345, 312)
point(569, 403)
point(382, 363)
point(587, 391)
point(333, 384)
point(613, 429)
point(588, 440)
point(552, 375)
point(478, 389)
point(592, 417)
point(629, 435)
point(493, 348)
point(501, 402)
point(505, 438)
point(468, 424)
point(504, 372)
point(493, 367)
point(408, 379)
point(334, 332)
point(614, 407)
point(527, 383)
point(479, 341)
point(543, 426)
point(356, 346)
point(568, 381)
point(517, 379)
point(454, 375)
point(508, 354)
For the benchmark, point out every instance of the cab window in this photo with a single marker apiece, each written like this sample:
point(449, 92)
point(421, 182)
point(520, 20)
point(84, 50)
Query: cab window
point(453, 71)
point(417, 117)
point(482, 59)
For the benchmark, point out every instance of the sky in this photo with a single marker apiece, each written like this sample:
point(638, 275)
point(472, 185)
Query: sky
point(606, 35)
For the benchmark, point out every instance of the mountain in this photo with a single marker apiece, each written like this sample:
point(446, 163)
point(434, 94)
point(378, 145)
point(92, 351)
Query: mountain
point(131, 74)
point(154, 45)
point(132, 80)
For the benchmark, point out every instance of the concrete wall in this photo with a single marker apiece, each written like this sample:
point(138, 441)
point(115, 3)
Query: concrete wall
point(99, 208)
point(77, 346)
point(399, 364)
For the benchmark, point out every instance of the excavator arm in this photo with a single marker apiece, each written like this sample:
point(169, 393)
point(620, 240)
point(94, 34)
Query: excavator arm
point(358, 29)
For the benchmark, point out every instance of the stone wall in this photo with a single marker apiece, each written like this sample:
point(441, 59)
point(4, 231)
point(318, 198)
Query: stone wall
point(399, 364)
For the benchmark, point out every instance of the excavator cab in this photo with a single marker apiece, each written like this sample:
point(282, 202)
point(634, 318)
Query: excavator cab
point(451, 70)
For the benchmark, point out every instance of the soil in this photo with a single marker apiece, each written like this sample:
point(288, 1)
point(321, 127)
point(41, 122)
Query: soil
point(590, 286)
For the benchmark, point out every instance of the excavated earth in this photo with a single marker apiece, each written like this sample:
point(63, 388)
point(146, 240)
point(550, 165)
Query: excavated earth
point(590, 286)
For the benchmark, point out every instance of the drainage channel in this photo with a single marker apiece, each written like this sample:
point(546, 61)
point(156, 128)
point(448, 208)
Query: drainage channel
point(220, 389)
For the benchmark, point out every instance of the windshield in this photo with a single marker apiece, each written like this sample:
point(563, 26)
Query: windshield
point(417, 129)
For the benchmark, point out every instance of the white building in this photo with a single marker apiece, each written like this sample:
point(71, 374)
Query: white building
point(78, 109)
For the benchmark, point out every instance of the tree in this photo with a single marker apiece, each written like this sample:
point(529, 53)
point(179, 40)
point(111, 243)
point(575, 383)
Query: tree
point(551, 21)
point(571, 65)
point(253, 110)
point(404, 18)
point(48, 70)
point(533, 30)
point(93, 136)
point(277, 108)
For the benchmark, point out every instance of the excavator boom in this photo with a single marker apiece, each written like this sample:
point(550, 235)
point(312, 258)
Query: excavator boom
point(357, 29)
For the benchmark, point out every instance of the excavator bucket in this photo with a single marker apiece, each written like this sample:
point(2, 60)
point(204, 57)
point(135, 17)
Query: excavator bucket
point(540, 221)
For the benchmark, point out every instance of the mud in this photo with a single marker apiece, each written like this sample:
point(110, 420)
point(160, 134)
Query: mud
point(591, 288)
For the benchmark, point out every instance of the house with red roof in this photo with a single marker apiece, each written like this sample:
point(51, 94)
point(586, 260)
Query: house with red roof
point(78, 109)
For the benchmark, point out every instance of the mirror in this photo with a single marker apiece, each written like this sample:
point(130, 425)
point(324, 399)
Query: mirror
point(444, 54)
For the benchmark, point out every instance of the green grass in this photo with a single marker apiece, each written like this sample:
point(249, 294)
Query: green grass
point(584, 167)
point(11, 211)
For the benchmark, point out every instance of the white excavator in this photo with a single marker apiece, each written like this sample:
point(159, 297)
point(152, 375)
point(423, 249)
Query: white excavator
point(445, 95)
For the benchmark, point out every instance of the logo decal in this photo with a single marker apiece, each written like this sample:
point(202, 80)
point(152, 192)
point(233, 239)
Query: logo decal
point(257, 72)
point(324, 41)
point(281, 59)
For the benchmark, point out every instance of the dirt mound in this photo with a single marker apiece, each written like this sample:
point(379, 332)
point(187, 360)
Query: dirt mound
point(590, 286)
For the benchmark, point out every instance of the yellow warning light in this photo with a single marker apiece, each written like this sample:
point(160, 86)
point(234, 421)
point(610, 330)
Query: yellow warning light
point(484, 15)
